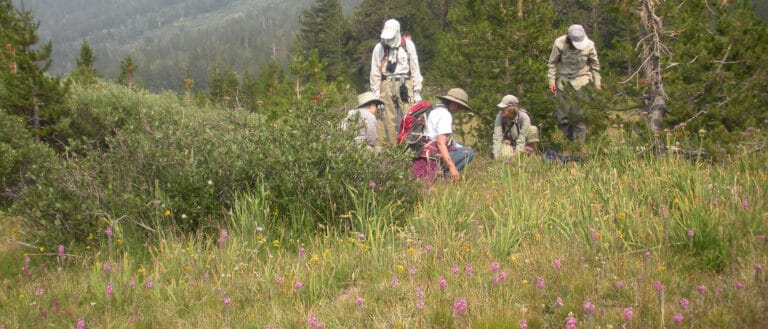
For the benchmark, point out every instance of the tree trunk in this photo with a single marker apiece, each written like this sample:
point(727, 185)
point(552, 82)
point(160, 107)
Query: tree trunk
point(651, 30)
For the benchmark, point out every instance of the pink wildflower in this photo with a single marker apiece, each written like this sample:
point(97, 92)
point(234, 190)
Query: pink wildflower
point(39, 291)
point(619, 284)
point(298, 285)
point(443, 284)
point(690, 234)
point(107, 268)
point(523, 324)
point(427, 249)
point(594, 235)
point(628, 313)
point(359, 301)
point(744, 204)
point(702, 289)
point(108, 232)
point(149, 284)
point(132, 284)
point(460, 305)
point(557, 263)
point(227, 301)
point(61, 250)
point(589, 308)
point(540, 282)
point(395, 282)
point(658, 287)
point(109, 291)
point(80, 324)
point(503, 276)
point(647, 255)
point(412, 270)
point(678, 318)
point(738, 284)
point(559, 301)
point(259, 229)
point(223, 235)
point(570, 322)
point(302, 251)
point(455, 269)
point(495, 267)
point(758, 267)
point(468, 269)
point(684, 304)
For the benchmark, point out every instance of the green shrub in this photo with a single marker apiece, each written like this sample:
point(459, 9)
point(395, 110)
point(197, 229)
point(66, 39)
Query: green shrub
point(22, 160)
point(167, 166)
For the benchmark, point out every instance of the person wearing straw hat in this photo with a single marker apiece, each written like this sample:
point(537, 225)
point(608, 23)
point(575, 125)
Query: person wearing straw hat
point(441, 146)
point(395, 76)
point(365, 116)
point(573, 63)
point(512, 130)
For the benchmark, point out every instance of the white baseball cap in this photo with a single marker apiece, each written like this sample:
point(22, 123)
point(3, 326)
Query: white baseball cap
point(391, 27)
point(578, 36)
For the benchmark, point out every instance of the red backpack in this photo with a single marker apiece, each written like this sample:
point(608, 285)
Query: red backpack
point(412, 126)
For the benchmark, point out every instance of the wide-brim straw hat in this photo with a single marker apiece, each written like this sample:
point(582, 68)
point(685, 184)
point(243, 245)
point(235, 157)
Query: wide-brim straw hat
point(368, 97)
point(458, 96)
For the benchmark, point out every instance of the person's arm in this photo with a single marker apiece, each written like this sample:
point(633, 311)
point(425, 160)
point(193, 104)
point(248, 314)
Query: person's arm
point(498, 136)
point(416, 77)
point(442, 145)
point(375, 76)
point(525, 124)
point(554, 60)
point(594, 66)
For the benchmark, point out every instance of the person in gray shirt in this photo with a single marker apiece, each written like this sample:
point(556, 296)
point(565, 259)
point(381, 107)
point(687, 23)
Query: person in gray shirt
point(365, 112)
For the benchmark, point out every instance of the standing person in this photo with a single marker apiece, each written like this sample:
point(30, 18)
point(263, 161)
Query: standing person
point(441, 148)
point(365, 112)
point(395, 77)
point(512, 129)
point(572, 64)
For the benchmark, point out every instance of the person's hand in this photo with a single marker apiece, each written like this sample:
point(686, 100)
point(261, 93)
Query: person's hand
point(599, 87)
point(454, 174)
point(416, 96)
point(552, 88)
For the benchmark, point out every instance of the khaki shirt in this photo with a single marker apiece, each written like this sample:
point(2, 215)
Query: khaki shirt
point(515, 133)
point(578, 67)
point(407, 61)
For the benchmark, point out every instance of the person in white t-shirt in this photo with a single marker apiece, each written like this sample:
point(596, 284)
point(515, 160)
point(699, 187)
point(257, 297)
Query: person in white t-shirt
point(442, 147)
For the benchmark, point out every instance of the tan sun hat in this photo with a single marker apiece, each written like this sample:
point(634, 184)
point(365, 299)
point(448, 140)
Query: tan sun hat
point(368, 97)
point(458, 96)
point(578, 36)
point(507, 101)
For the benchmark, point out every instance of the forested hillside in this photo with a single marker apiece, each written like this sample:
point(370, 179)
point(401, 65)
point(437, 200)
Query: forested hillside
point(165, 37)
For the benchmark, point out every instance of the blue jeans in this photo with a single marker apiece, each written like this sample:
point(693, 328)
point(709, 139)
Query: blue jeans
point(461, 157)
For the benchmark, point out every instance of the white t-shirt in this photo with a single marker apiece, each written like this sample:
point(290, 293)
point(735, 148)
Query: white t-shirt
point(439, 122)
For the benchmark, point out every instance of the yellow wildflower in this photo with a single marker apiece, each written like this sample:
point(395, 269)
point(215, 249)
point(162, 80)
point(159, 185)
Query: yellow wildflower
point(119, 242)
point(326, 253)
point(621, 216)
point(42, 249)
point(21, 296)
point(400, 268)
point(524, 281)
point(167, 213)
point(411, 250)
point(276, 243)
point(314, 259)
point(90, 236)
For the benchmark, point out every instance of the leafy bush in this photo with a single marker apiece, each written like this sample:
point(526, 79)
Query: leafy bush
point(164, 166)
point(22, 160)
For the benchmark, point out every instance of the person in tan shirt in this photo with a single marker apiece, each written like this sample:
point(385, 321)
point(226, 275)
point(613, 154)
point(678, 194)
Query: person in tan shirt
point(573, 63)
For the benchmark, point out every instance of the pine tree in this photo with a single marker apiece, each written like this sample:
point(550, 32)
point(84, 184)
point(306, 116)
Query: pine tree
point(25, 89)
point(325, 28)
point(126, 72)
point(85, 61)
point(225, 87)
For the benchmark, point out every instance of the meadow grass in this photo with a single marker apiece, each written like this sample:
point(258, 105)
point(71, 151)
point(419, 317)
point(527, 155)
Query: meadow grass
point(618, 240)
